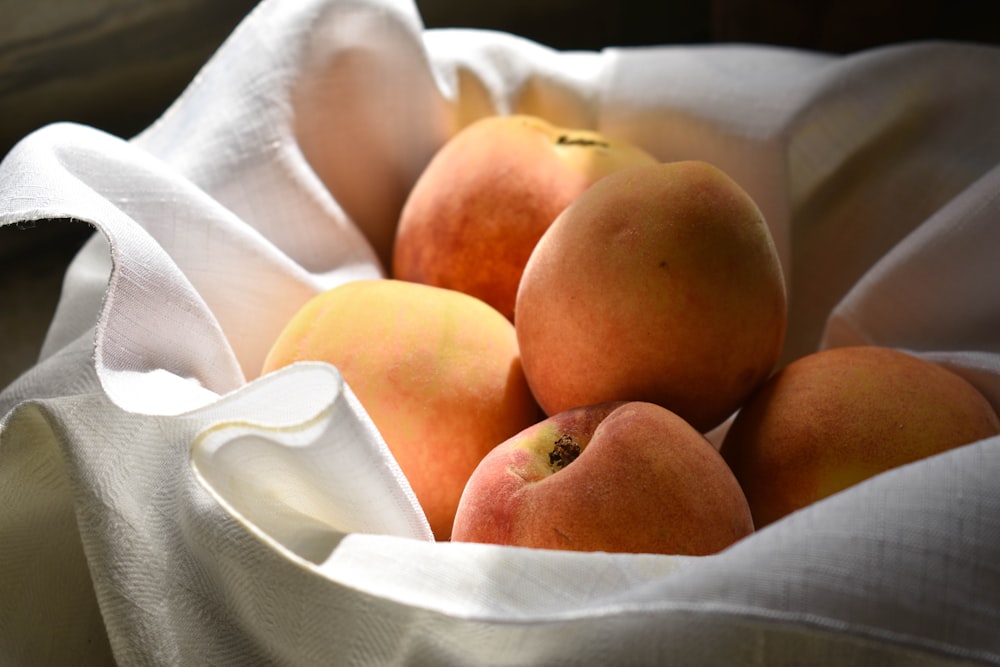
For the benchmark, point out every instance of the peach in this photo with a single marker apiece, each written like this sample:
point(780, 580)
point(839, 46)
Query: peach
point(659, 283)
point(437, 371)
point(834, 418)
point(623, 477)
point(486, 197)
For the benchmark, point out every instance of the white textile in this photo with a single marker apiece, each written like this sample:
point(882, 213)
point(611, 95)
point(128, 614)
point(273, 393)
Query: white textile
point(161, 504)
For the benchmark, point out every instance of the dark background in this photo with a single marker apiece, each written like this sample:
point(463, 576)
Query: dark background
point(119, 67)
point(118, 64)
point(838, 26)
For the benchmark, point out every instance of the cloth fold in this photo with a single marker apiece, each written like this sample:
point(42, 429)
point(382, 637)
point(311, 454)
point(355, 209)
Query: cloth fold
point(161, 503)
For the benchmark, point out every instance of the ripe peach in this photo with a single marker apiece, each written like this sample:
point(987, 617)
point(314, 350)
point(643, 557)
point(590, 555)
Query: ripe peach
point(834, 418)
point(625, 477)
point(438, 372)
point(660, 283)
point(486, 197)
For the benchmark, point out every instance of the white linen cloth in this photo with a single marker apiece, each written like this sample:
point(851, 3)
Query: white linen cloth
point(161, 504)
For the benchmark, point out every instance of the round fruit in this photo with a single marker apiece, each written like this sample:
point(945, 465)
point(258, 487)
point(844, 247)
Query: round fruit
point(625, 477)
point(438, 371)
point(659, 283)
point(834, 418)
point(481, 204)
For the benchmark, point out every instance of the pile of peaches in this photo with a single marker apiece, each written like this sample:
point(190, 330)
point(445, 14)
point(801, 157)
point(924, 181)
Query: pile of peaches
point(565, 320)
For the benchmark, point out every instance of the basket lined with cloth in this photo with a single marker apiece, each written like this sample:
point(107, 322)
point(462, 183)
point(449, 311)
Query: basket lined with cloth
point(162, 504)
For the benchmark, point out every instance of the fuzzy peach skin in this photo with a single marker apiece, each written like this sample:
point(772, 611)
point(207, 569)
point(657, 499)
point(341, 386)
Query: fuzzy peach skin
point(660, 283)
point(834, 418)
point(481, 204)
point(438, 371)
point(642, 481)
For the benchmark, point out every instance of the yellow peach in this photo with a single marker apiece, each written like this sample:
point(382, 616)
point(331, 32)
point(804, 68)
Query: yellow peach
point(624, 477)
point(834, 418)
point(481, 204)
point(437, 371)
point(659, 283)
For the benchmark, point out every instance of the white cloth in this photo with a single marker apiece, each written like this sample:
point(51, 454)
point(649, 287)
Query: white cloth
point(160, 504)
